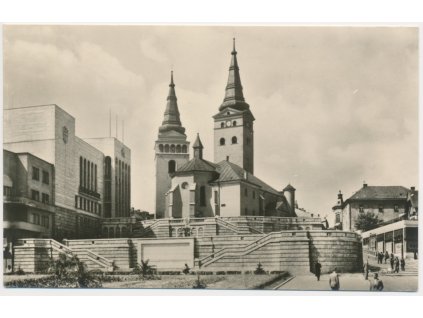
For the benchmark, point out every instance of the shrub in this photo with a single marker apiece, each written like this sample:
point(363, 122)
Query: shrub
point(259, 270)
point(20, 271)
point(145, 270)
point(199, 284)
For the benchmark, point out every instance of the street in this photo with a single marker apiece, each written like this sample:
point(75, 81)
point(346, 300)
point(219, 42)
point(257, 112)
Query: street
point(352, 282)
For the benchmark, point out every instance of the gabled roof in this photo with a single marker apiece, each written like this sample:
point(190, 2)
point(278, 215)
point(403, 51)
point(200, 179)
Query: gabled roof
point(197, 164)
point(229, 171)
point(380, 193)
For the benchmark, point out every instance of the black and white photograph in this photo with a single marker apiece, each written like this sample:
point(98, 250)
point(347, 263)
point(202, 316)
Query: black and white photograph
point(211, 157)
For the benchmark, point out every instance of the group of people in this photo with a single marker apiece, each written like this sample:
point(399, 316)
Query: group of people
point(376, 283)
point(394, 261)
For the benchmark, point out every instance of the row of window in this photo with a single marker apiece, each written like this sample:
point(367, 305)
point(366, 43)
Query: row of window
point(42, 220)
point(36, 175)
point(35, 195)
point(228, 124)
point(234, 140)
point(173, 148)
point(380, 208)
point(87, 205)
point(87, 174)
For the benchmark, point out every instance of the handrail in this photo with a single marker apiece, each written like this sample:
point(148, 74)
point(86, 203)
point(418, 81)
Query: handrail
point(241, 251)
point(227, 224)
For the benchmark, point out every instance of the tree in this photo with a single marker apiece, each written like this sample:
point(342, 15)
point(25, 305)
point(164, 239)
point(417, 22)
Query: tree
point(366, 221)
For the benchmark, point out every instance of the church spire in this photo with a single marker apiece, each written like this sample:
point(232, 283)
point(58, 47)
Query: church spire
point(198, 148)
point(234, 96)
point(171, 120)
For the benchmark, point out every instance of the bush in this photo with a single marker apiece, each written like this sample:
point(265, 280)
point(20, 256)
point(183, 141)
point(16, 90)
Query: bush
point(69, 271)
point(145, 270)
point(20, 271)
point(199, 284)
point(259, 270)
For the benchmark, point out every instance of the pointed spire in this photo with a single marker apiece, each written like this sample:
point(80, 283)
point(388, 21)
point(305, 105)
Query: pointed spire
point(234, 96)
point(198, 148)
point(171, 120)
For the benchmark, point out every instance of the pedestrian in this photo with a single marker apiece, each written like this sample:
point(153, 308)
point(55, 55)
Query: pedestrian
point(396, 264)
point(366, 270)
point(376, 284)
point(402, 264)
point(392, 261)
point(380, 257)
point(334, 280)
point(318, 269)
point(386, 256)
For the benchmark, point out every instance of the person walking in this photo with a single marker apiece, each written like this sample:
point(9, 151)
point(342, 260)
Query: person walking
point(318, 269)
point(396, 262)
point(402, 264)
point(386, 256)
point(376, 284)
point(366, 270)
point(334, 280)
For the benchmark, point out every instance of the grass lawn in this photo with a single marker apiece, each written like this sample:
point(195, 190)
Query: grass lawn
point(243, 281)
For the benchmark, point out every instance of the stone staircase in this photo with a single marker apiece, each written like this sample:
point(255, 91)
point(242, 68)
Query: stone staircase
point(47, 249)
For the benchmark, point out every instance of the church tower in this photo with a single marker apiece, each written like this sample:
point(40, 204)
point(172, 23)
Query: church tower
point(171, 150)
point(233, 125)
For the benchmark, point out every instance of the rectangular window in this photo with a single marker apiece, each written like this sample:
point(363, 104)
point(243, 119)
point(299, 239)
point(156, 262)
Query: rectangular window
point(361, 208)
point(216, 201)
point(7, 191)
point(246, 192)
point(46, 177)
point(76, 201)
point(381, 208)
point(36, 218)
point(45, 198)
point(45, 221)
point(35, 195)
point(396, 208)
point(338, 218)
point(35, 173)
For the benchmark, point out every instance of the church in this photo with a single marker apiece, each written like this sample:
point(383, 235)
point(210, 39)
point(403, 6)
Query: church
point(226, 187)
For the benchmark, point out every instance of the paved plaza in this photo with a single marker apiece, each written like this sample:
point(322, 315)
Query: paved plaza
point(352, 282)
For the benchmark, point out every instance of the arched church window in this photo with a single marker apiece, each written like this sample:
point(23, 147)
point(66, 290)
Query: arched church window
point(184, 149)
point(234, 140)
point(222, 141)
point(222, 125)
point(161, 148)
point(202, 196)
point(178, 149)
point(166, 148)
point(234, 123)
point(171, 166)
point(172, 148)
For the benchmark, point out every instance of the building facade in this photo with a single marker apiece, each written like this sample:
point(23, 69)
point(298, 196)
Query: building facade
point(386, 202)
point(91, 179)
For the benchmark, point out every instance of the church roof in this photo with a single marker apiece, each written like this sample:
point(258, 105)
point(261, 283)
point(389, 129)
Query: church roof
point(197, 164)
point(234, 96)
point(197, 143)
point(171, 120)
point(380, 193)
point(289, 187)
point(229, 171)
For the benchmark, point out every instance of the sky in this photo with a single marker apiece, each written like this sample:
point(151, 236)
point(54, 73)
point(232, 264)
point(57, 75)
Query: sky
point(334, 106)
